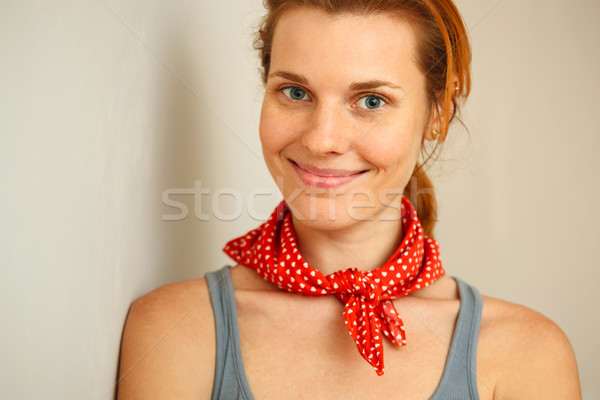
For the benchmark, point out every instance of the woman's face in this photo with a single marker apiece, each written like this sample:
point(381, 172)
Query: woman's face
point(343, 116)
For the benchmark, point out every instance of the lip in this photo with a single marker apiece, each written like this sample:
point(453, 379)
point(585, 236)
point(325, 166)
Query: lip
point(322, 177)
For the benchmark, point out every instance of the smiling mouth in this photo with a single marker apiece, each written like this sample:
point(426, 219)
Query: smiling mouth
point(324, 178)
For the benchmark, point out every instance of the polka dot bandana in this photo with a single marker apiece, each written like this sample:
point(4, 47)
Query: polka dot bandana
point(369, 313)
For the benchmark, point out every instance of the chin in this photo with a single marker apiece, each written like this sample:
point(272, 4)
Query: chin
point(319, 209)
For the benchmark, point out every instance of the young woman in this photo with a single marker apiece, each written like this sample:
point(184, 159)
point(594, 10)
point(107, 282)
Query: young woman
point(342, 294)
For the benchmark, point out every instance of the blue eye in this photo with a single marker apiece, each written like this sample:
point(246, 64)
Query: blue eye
point(371, 102)
point(295, 93)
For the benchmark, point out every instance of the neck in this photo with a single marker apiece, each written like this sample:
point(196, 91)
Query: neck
point(365, 245)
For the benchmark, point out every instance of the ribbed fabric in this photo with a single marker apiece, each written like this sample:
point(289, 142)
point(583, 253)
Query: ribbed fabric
point(230, 381)
point(458, 380)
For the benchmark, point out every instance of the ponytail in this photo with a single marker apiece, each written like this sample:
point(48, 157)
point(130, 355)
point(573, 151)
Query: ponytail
point(421, 194)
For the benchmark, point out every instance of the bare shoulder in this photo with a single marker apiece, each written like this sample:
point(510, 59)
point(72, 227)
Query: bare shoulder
point(531, 355)
point(168, 346)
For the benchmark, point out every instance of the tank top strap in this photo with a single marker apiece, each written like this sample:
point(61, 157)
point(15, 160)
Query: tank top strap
point(230, 379)
point(459, 380)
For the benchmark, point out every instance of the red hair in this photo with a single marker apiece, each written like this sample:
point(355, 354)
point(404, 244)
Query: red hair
point(444, 57)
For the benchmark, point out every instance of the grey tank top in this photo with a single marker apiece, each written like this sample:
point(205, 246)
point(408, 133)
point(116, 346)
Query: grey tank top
point(458, 379)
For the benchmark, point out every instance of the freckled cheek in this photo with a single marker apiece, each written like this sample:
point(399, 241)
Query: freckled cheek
point(397, 146)
point(277, 129)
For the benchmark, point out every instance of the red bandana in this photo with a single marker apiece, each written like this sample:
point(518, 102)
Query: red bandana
point(271, 250)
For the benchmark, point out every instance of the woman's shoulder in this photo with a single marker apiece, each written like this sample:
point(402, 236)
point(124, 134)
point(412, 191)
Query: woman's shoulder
point(168, 343)
point(518, 326)
point(530, 354)
point(173, 306)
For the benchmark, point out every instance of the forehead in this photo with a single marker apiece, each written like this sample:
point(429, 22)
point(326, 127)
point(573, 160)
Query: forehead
point(345, 46)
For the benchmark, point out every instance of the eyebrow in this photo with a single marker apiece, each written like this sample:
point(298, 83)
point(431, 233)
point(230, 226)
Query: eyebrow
point(290, 76)
point(372, 84)
point(367, 85)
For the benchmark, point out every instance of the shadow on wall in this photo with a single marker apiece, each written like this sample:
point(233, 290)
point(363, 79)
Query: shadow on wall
point(182, 154)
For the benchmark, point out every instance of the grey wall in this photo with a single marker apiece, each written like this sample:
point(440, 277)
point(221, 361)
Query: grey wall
point(105, 105)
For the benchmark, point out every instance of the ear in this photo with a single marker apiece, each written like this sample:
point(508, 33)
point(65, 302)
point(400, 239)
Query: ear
point(436, 121)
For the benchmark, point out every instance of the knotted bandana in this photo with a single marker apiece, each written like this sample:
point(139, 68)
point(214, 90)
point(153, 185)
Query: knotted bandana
point(369, 313)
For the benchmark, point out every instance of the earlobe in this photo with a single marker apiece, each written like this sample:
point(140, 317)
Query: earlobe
point(433, 134)
point(434, 131)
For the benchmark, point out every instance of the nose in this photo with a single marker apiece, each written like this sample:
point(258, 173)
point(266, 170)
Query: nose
point(327, 131)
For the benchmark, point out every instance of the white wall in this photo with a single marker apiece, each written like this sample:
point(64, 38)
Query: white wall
point(519, 208)
point(104, 105)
